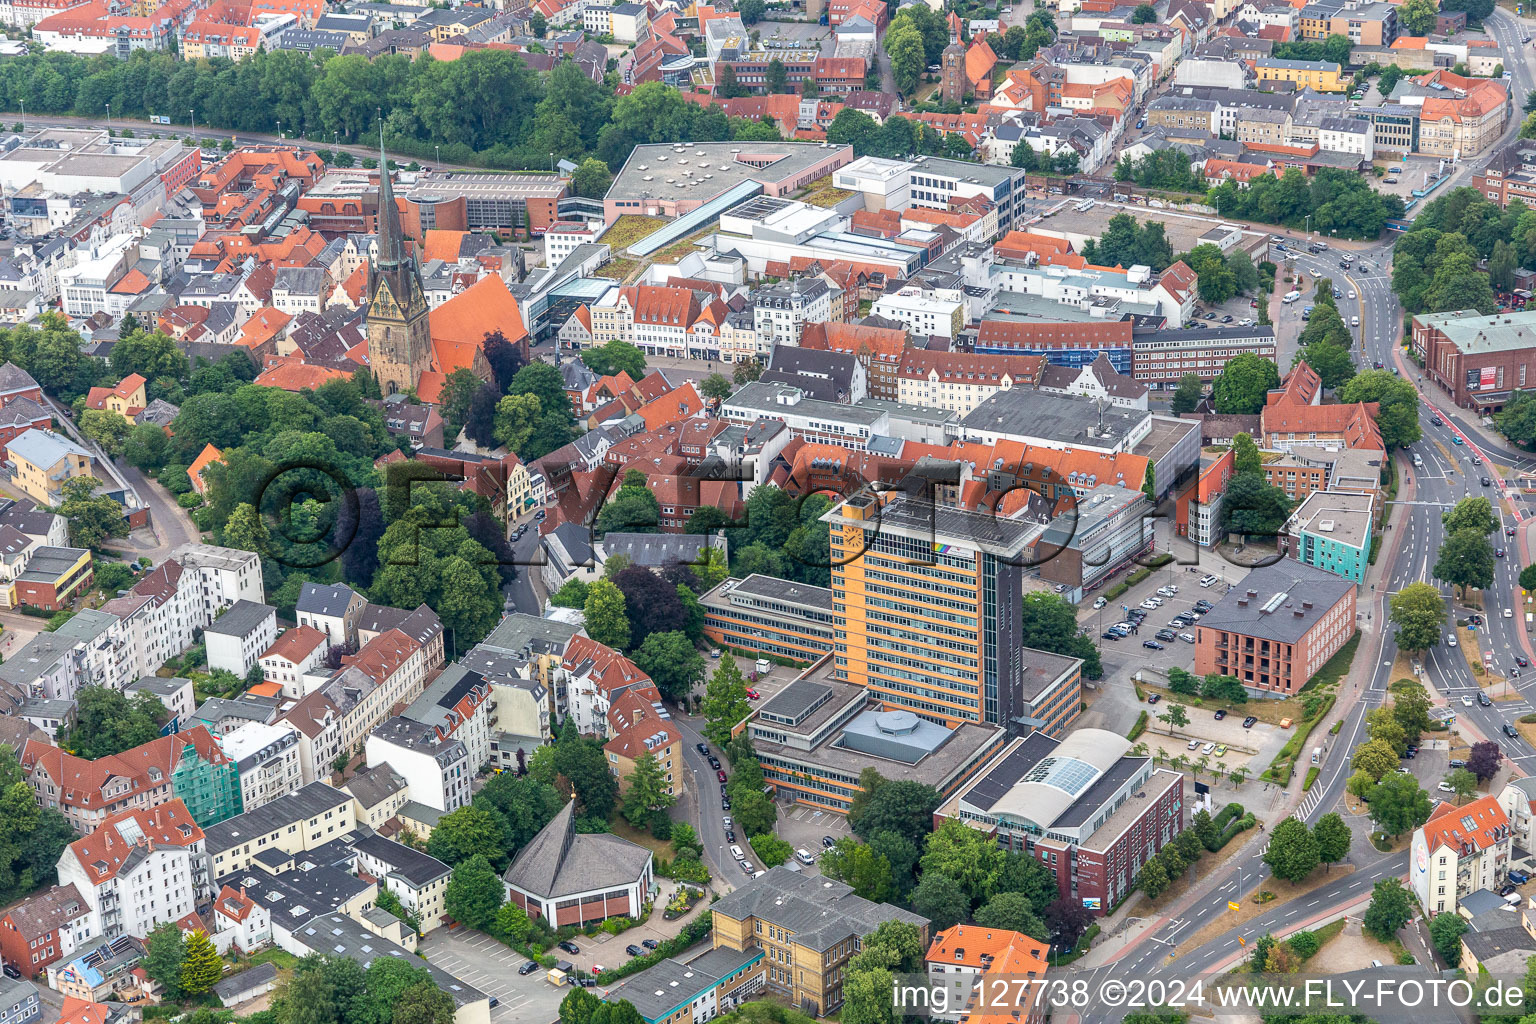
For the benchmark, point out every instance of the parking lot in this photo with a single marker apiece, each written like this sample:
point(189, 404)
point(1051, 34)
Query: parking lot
point(480, 960)
point(802, 827)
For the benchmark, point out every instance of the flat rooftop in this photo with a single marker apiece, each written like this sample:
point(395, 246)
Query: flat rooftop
point(702, 170)
point(919, 519)
point(1341, 516)
point(1473, 333)
point(1064, 419)
point(486, 185)
point(1166, 433)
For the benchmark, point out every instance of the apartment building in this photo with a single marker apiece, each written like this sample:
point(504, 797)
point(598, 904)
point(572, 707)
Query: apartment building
point(417, 880)
point(1320, 75)
point(808, 927)
point(336, 718)
point(188, 767)
point(266, 758)
point(639, 728)
point(293, 824)
point(781, 311)
point(333, 610)
point(1458, 851)
point(236, 639)
point(917, 586)
point(40, 461)
point(436, 766)
point(297, 651)
point(1333, 532)
point(968, 959)
point(1277, 628)
point(44, 928)
point(141, 868)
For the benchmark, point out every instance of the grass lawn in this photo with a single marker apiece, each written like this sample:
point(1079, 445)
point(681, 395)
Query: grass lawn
point(630, 228)
point(640, 837)
point(823, 193)
point(1336, 667)
point(281, 959)
point(617, 269)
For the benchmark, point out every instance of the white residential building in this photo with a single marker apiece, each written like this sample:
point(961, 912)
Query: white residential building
point(781, 311)
point(139, 869)
point(267, 758)
point(436, 767)
point(296, 823)
point(236, 639)
point(333, 610)
point(293, 655)
point(1458, 851)
point(940, 312)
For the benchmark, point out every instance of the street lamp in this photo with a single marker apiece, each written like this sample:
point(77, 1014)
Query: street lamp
point(279, 131)
point(109, 119)
point(192, 119)
point(439, 156)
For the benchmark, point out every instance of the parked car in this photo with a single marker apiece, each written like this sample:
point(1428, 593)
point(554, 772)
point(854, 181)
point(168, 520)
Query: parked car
point(570, 947)
point(529, 966)
point(1221, 713)
point(1188, 638)
point(1250, 722)
point(1152, 645)
point(1208, 748)
point(1194, 745)
point(747, 868)
point(1154, 698)
point(702, 748)
point(1100, 602)
point(827, 842)
point(1166, 635)
point(650, 943)
point(634, 950)
point(720, 775)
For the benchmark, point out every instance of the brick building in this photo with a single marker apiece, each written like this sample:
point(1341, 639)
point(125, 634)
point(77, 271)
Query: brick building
point(1277, 627)
point(1478, 360)
point(570, 878)
point(1084, 806)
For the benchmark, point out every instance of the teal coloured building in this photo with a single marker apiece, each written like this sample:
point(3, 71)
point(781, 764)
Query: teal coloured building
point(1333, 531)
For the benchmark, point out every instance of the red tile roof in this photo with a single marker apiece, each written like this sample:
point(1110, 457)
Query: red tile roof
point(1468, 828)
point(102, 853)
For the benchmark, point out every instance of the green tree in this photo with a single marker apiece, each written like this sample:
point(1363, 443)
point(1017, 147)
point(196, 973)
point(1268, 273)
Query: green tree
point(899, 806)
point(1418, 612)
point(165, 952)
point(1391, 908)
point(202, 967)
point(1014, 912)
point(581, 761)
point(607, 622)
point(1376, 758)
point(424, 1003)
point(615, 357)
point(1144, 14)
point(1398, 805)
point(1462, 782)
point(647, 790)
point(967, 856)
point(1382, 724)
point(1050, 624)
point(673, 663)
point(1475, 513)
point(718, 385)
point(469, 832)
point(1410, 706)
point(1518, 419)
point(1174, 718)
point(853, 862)
point(904, 50)
point(1292, 853)
point(1217, 283)
point(107, 429)
point(1254, 507)
point(1445, 930)
point(1243, 384)
point(108, 722)
point(1418, 18)
point(1398, 418)
point(512, 921)
point(776, 79)
point(725, 700)
point(1465, 560)
point(770, 849)
point(1188, 394)
point(591, 179)
point(1333, 838)
point(578, 1007)
point(940, 899)
point(474, 893)
point(1333, 362)
point(1245, 454)
point(92, 517)
point(1153, 879)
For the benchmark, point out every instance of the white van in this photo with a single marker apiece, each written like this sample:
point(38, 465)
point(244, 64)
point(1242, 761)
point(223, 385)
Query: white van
point(804, 856)
point(763, 666)
point(1291, 296)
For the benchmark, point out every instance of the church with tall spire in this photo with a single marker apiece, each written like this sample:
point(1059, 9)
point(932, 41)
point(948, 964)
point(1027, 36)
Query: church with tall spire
point(398, 324)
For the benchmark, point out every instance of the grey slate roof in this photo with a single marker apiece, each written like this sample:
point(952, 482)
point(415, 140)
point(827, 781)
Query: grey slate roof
point(241, 619)
point(315, 798)
point(820, 912)
point(415, 867)
point(373, 785)
point(1284, 588)
point(14, 378)
point(558, 861)
point(653, 550)
point(318, 599)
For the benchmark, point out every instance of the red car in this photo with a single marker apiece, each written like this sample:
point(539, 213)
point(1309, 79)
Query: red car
point(720, 775)
point(751, 694)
